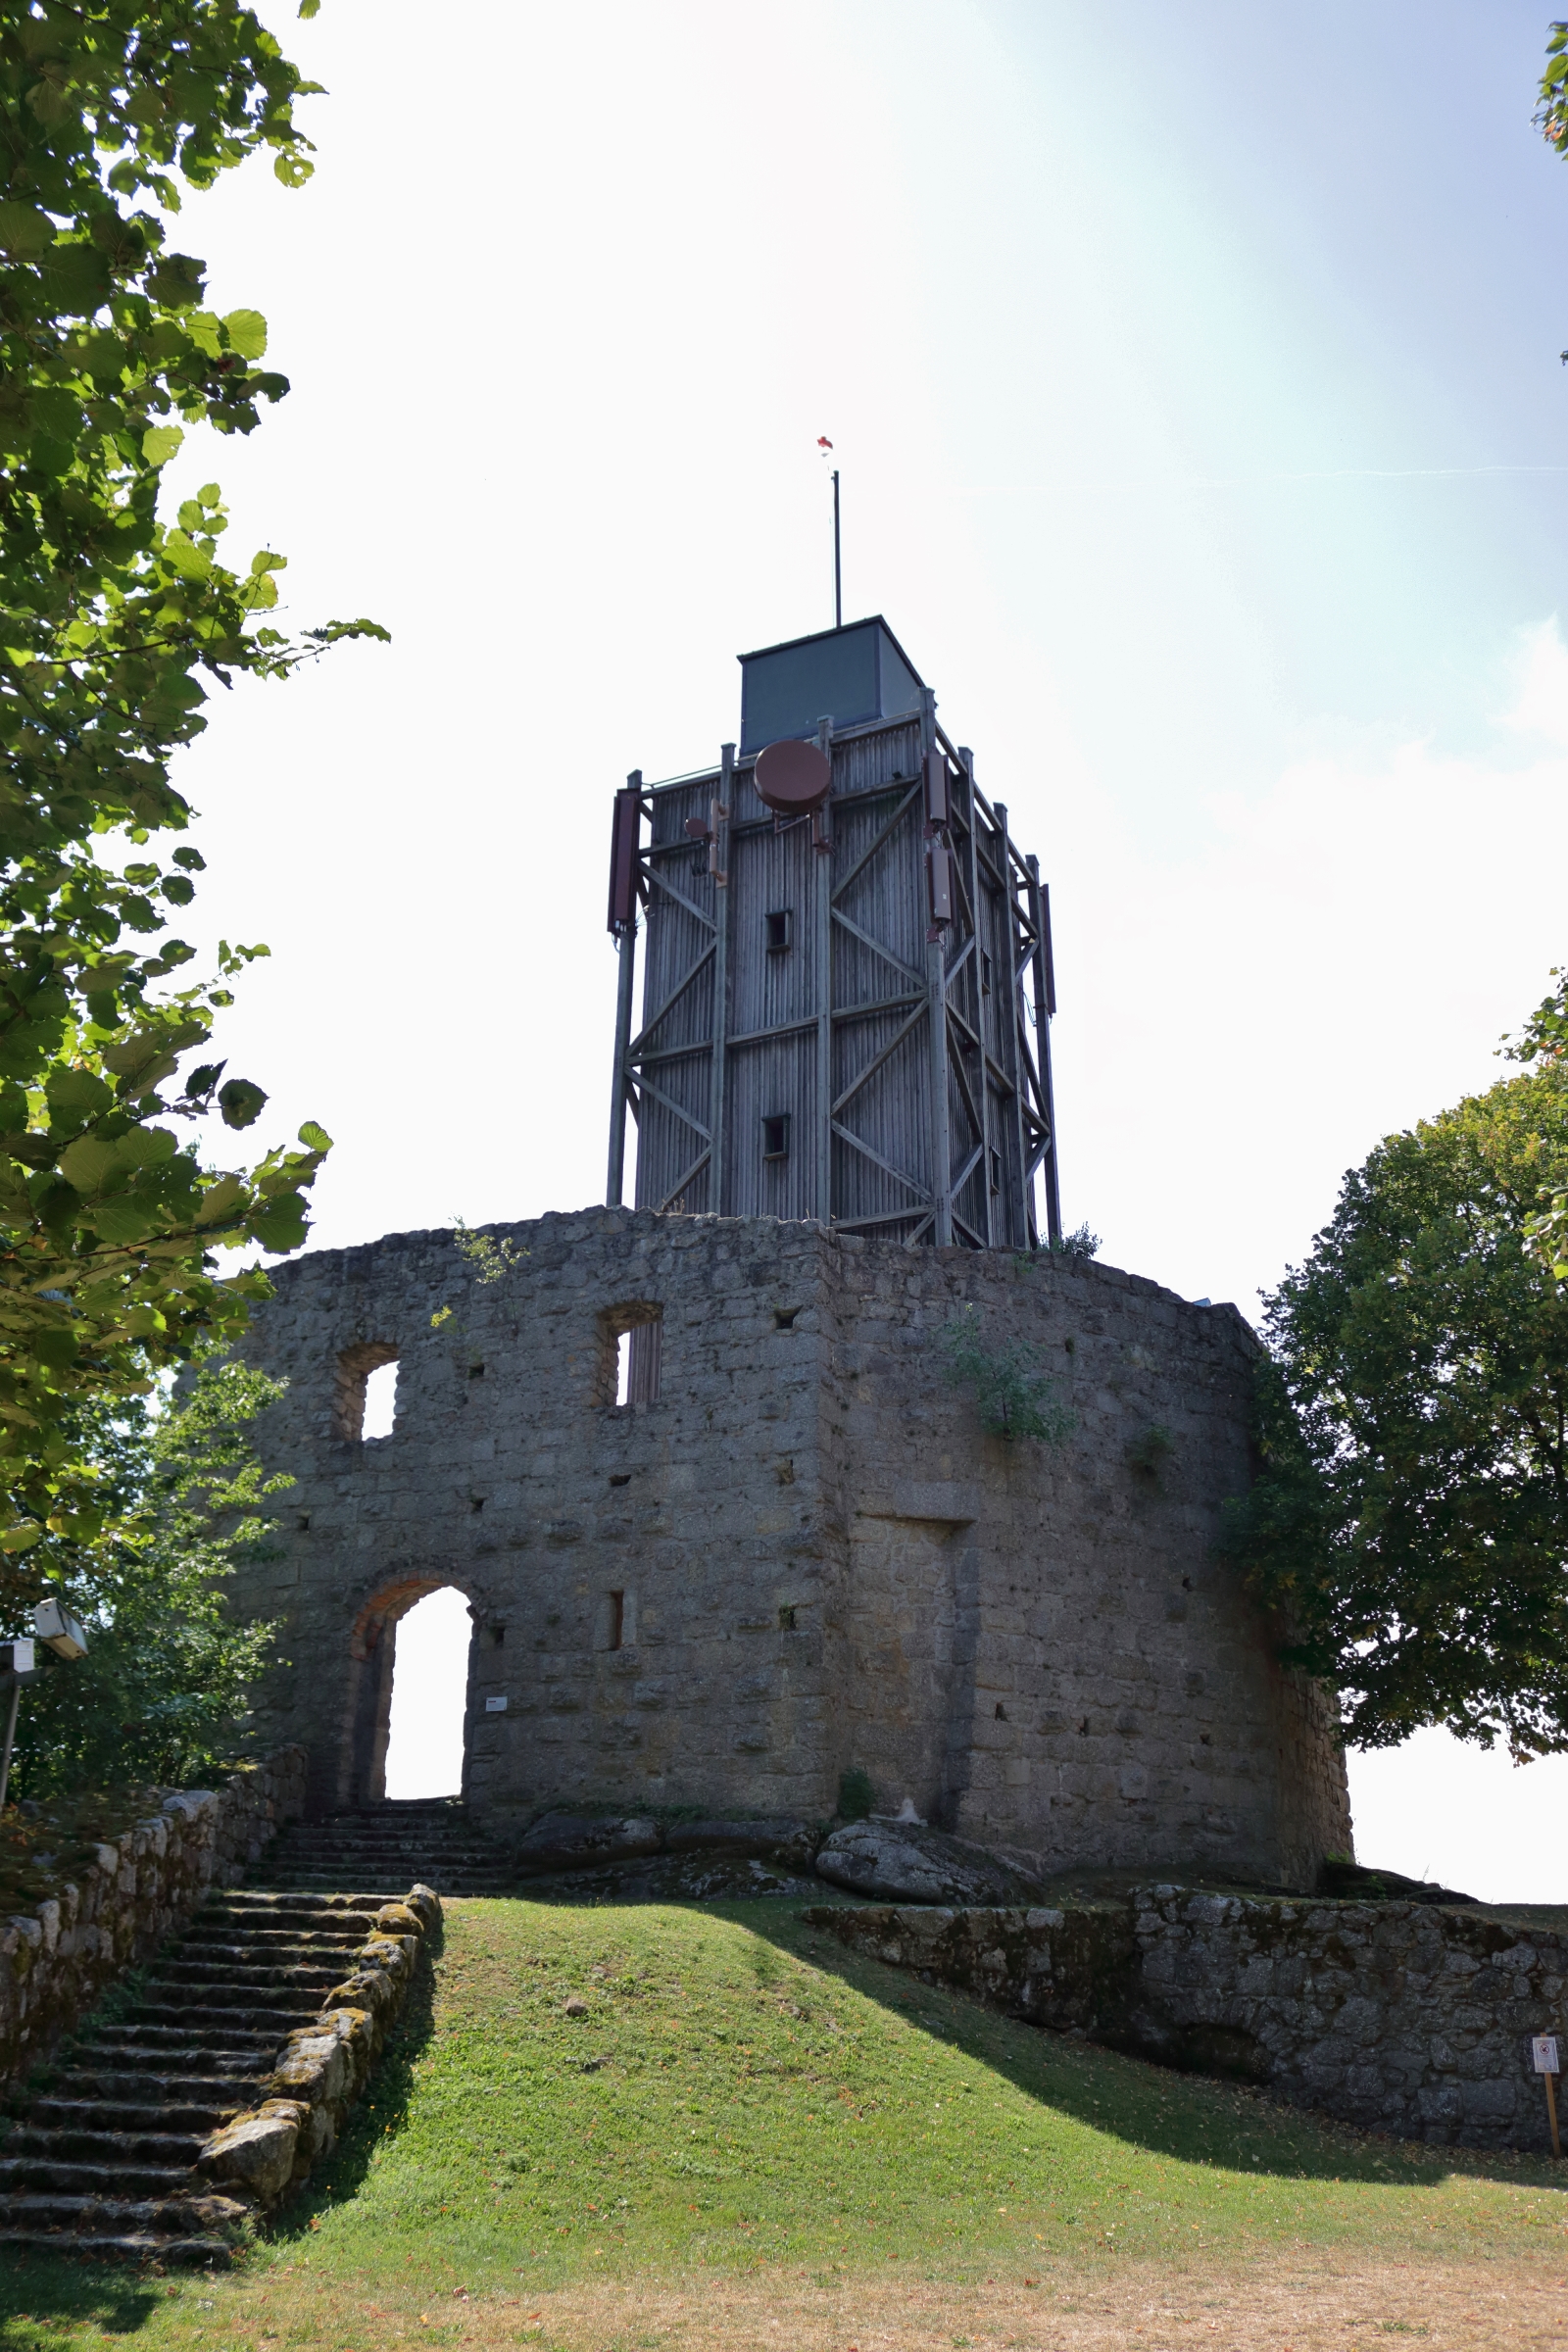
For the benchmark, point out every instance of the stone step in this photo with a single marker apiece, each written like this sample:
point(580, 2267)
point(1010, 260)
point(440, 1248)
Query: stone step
point(130, 2060)
point(183, 2115)
point(105, 2147)
point(259, 1976)
point(128, 2245)
point(154, 2044)
point(132, 2088)
point(179, 2213)
point(68, 2174)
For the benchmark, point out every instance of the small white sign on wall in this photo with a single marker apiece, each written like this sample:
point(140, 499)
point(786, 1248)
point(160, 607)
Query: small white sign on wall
point(1543, 2050)
point(498, 1706)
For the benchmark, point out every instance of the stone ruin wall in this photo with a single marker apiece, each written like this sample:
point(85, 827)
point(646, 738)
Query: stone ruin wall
point(822, 1562)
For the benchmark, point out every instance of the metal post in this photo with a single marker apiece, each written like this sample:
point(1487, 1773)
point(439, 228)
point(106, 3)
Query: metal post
point(11, 1733)
point(838, 570)
point(720, 863)
point(936, 984)
point(626, 949)
point(822, 949)
point(1045, 1006)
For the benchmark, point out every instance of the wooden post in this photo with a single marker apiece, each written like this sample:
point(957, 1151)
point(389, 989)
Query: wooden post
point(1026, 1233)
point(720, 861)
point(994, 1209)
point(936, 985)
point(1045, 1006)
point(626, 949)
point(822, 949)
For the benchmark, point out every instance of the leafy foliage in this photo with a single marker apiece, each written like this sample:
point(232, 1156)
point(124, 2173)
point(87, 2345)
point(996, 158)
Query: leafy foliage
point(1411, 1516)
point(1544, 1039)
point(1551, 114)
point(1079, 1243)
point(1013, 1396)
point(161, 1694)
point(117, 622)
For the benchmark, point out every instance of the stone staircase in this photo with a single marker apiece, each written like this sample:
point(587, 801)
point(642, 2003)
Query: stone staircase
point(430, 1841)
point(100, 2158)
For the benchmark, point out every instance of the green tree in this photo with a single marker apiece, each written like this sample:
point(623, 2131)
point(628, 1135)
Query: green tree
point(161, 1694)
point(1543, 1040)
point(1410, 1519)
point(118, 620)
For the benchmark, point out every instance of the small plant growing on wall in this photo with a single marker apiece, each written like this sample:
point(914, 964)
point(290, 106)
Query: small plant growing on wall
point(1012, 1395)
point(1080, 1245)
point(1150, 1450)
point(855, 1795)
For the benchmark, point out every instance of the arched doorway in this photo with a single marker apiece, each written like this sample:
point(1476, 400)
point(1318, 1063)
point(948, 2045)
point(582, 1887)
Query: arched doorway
point(429, 1697)
point(373, 1654)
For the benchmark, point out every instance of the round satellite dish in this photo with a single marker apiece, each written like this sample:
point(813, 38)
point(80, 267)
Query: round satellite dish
point(793, 778)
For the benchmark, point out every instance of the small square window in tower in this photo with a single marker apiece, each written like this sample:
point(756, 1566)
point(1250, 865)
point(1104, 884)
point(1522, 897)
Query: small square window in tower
point(776, 1136)
point(778, 929)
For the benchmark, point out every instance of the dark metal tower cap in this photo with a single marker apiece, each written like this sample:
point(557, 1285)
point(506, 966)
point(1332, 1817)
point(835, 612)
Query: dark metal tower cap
point(793, 778)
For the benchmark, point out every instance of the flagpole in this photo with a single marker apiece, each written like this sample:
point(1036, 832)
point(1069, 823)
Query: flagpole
point(838, 572)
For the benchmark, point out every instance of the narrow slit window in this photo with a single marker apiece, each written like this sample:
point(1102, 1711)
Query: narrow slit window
point(984, 973)
point(617, 1619)
point(380, 1400)
point(778, 929)
point(776, 1136)
point(365, 1391)
point(996, 1170)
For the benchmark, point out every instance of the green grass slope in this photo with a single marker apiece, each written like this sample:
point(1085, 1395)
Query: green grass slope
point(738, 2090)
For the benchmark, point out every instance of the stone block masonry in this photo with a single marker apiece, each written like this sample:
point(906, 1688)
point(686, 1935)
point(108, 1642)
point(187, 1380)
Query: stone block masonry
point(796, 1553)
point(57, 1960)
point(1414, 2019)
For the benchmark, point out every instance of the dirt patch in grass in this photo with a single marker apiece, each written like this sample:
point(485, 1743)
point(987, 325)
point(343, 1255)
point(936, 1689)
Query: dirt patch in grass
point(1300, 2306)
point(1286, 2302)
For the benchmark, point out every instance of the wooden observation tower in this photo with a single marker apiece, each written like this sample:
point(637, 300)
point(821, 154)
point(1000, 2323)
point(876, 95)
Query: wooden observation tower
point(848, 987)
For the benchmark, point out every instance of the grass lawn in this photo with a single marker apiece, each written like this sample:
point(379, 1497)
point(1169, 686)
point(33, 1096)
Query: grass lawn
point(746, 2120)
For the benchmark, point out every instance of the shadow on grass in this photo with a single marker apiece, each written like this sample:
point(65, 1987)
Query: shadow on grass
point(382, 2112)
point(43, 2295)
point(1192, 2118)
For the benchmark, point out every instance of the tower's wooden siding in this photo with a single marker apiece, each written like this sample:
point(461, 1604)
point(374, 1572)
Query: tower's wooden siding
point(860, 970)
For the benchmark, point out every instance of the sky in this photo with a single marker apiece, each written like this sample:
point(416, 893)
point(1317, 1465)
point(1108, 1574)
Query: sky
point(1194, 384)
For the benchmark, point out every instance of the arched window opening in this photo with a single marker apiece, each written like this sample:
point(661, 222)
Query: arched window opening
point(429, 1697)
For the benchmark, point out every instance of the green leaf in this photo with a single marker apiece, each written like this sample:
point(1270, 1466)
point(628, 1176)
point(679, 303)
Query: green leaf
point(281, 1224)
point(76, 280)
point(314, 1137)
point(160, 442)
point(121, 1221)
point(240, 1102)
point(19, 1538)
point(191, 561)
point(87, 1162)
point(26, 233)
point(247, 333)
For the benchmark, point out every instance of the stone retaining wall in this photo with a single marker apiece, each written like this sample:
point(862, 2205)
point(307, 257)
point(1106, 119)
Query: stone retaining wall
point(56, 1961)
point(1414, 2019)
